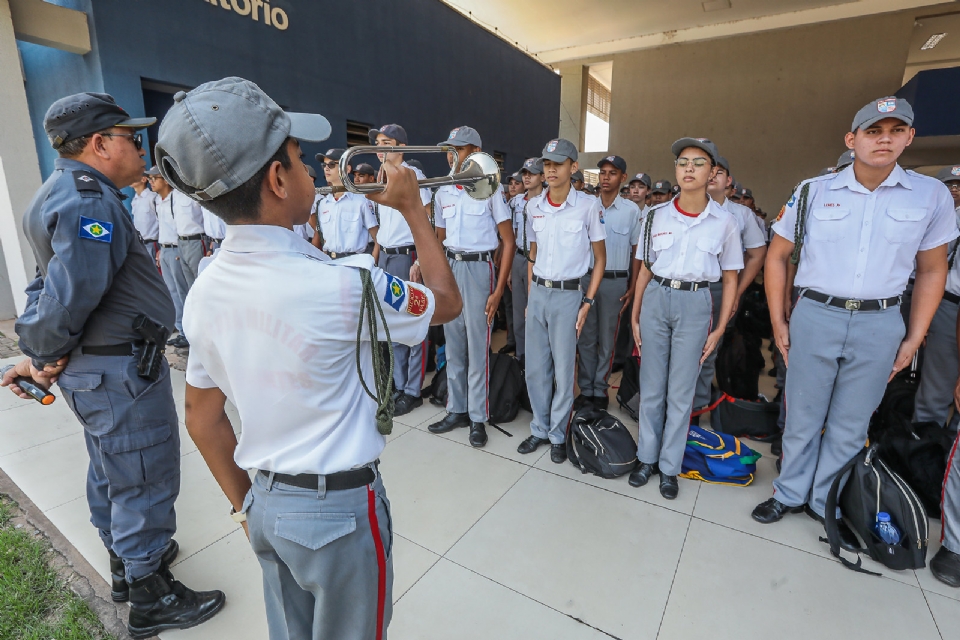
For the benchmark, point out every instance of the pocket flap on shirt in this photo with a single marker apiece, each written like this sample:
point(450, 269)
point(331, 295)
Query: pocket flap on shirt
point(831, 213)
point(572, 226)
point(314, 530)
point(133, 440)
point(661, 242)
point(709, 245)
point(350, 214)
point(907, 215)
point(80, 380)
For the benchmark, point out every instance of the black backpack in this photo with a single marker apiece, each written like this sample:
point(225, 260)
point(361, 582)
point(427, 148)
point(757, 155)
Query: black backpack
point(874, 487)
point(628, 395)
point(918, 453)
point(898, 402)
point(739, 363)
point(598, 443)
point(506, 386)
point(437, 389)
point(754, 419)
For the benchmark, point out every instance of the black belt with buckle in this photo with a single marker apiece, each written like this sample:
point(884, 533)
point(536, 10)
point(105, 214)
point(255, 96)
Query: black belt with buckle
point(407, 250)
point(476, 256)
point(563, 285)
point(196, 236)
point(520, 252)
point(613, 275)
point(682, 285)
point(850, 304)
point(951, 297)
point(343, 254)
point(148, 240)
point(168, 245)
point(341, 481)
point(125, 349)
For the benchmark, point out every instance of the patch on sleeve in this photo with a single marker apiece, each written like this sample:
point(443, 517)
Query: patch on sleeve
point(91, 229)
point(85, 181)
point(396, 293)
point(417, 301)
point(792, 200)
point(783, 210)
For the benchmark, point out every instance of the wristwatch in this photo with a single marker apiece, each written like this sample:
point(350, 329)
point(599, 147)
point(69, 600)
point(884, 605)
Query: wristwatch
point(237, 517)
point(589, 301)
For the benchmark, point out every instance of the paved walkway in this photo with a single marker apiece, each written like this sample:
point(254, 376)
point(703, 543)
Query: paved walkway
point(490, 544)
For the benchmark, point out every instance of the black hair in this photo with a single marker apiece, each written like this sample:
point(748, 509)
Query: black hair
point(243, 203)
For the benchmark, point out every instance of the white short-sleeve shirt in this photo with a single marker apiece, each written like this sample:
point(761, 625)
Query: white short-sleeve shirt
point(345, 223)
point(622, 221)
point(187, 214)
point(471, 224)
point(861, 244)
point(394, 230)
point(143, 206)
point(692, 248)
point(564, 233)
point(273, 323)
point(751, 235)
point(167, 225)
point(213, 226)
point(517, 205)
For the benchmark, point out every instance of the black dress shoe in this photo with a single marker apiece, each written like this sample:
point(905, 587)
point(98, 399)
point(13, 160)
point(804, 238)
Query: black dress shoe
point(776, 446)
point(600, 402)
point(581, 401)
point(172, 340)
point(508, 348)
point(406, 404)
point(848, 539)
point(945, 567)
point(558, 453)
point(159, 602)
point(531, 444)
point(119, 589)
point(179, 342)
point(772, 510)
point(641, 475)
point(450, 422)
point(669, 487)
point(478, 434)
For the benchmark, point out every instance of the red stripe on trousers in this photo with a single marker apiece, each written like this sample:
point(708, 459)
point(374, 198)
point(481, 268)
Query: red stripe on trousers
point(943, 488)
point(486, 366)
point(381, 558)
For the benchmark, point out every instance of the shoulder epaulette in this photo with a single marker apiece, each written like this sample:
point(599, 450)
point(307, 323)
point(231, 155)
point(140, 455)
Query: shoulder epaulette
point(86, 181)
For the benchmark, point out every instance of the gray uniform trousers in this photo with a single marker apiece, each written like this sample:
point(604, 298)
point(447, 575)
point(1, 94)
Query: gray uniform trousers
point(940, 368)
point(407, 361)
point(468, 341)
point(702, 395)
point(839, 364)
point(133, 439)
point(552, 347)
point(950, 502)
point(599, 335)
point(191, 252)
point(173, 277)
point(673, 329)
point(519, 284)
point(326, 557)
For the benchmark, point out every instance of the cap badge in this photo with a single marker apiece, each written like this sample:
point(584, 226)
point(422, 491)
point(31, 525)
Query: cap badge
point(453, 134)
point(639, 176)
point(887, 106)
point(611, 158)
point(955, 171)
point(552, 146)
point(85, 178)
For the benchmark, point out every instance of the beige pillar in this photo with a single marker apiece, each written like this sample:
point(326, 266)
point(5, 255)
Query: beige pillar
point(573, 78)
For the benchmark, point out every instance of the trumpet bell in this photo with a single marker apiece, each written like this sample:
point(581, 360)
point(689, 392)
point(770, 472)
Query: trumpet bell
point(480, 174)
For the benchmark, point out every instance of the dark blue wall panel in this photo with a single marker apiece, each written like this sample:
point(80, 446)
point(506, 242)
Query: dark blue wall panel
point(934, 95)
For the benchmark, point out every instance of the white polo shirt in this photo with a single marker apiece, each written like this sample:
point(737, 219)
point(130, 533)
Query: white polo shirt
point(751, 235)
point(273, 323)
point(167, 226)
point(394, 230)
point(563, 234)
point(187, 214)
point(345, 223)
point(471, 224)
point(143, 206)
point(862, 244)
point(622, 220)
point(213, 226)
point(692, 248)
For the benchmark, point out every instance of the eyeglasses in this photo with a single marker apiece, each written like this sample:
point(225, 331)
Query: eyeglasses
point(954, 186)
point(330, 165)
point(697, 162)
point(136, 137)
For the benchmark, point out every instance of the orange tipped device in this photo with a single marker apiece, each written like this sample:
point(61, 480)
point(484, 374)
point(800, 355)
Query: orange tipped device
point(29, 387)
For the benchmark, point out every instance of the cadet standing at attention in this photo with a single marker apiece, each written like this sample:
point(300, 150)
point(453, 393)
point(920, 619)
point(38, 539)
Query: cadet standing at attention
point(101, 326)
point(345, 221)
point(857, 235)
point(565, 225)
point(532, 176)
point(468, 229)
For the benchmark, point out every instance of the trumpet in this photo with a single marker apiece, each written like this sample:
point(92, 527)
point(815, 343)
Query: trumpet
point(478, 174)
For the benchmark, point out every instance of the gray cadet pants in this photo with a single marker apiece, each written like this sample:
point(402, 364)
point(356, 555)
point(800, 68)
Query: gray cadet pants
point(191, 252)
point(173, 277)
point(950, 502)
point(468, 341)
point(839, 364)
point(326, 557)
point(133, 439)
point(599, 335)
point(519, 283)
point(552, 347)
point(708, 370)
point(407, 361)
point(673, 329)
point(940, 367)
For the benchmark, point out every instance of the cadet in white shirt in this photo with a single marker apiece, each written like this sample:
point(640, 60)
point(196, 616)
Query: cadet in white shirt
point(214, 229)
point(274, 328)
point(639, 191)
point(398, 257)
point(468, 229)
point(169, 259)
point(685, 245)
point(532, 176)
point(565, 225)
point(621, 218)
point(345, 221)
point(754, 242)
point(189, 219)
point(143, 207)
point(857, 235)
point(661, 192)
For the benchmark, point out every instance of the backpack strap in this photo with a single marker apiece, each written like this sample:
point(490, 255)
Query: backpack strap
point(830, 519)
point(526, 245)
point(647, 233)
point(801, 226)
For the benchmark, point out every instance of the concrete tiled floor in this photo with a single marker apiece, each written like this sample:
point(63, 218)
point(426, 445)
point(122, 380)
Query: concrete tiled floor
point(491, 544)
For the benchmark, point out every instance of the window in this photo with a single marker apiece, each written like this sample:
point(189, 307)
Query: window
point(597, 131)
point(499, 157)
point(357, 133)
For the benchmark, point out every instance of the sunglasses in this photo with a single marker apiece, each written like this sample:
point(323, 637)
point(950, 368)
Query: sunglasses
point(330, 165)
point(136, 137)
point(697, 162)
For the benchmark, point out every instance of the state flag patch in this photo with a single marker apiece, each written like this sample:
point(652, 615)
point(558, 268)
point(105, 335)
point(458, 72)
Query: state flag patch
point(91, 229)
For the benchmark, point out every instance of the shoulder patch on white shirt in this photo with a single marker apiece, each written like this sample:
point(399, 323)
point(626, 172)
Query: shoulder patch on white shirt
point(396, 292)
point(417, 301)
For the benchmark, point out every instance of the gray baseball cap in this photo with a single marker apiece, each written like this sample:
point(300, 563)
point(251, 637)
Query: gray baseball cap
point(532, 165)
point(826, 171)
point(888, 107)
point(644, 178)
point(392, 131)
point(700, 143)
point(949, 174)
point(516, 176)
point(846, 159)
point(662, 186)
point(577, 176)
point(616, 161)
point(199, 150)
point(461, 137)
point(152, 171)
point(330, 154)
point(743, 192)
point(723, 163)
point(312, 172)
point(365, 169)
point(81, 114)
point(559, 150)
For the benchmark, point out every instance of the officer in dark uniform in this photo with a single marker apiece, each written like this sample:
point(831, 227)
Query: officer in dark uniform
point(96, 322)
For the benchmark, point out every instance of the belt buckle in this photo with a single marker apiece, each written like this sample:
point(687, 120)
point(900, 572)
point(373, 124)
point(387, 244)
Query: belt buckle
point(852, 305)
point(675, 284)
point(458, 257)
point(548, 284)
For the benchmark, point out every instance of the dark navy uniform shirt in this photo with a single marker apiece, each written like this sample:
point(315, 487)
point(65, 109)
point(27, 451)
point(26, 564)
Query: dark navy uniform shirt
point(94, 274)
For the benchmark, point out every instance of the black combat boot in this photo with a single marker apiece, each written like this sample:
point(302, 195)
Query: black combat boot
point(158, 602)
point(119, 589)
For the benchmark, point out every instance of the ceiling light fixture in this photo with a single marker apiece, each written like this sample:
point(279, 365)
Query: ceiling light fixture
point(933, 41)
point(715, 5)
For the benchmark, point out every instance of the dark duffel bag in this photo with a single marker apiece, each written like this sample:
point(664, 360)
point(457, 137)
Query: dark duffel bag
point(918, 453)
point(598, 443)
point(437, 389)
point(754, 419)
point(506, 387)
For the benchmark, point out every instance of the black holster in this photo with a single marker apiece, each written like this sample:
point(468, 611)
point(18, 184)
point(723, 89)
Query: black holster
point(151, 355)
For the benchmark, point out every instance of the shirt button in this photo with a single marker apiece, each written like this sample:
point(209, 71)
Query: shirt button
point(862, 250)
point(858, 275)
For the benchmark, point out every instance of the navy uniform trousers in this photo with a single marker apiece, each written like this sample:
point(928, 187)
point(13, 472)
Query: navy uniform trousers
point(133, 438)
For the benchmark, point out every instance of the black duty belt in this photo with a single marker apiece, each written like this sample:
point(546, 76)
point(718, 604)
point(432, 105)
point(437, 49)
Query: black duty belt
point(149, 240)
point(850, 304)
point(612, 275)
point(407, 250)
point(125, 349)
point(342, 254)
point(475, 256)
point(341, 481)
point(196, 236)
point(563, 285)
point(951, 297)
point(168, 245)
point(682, 285)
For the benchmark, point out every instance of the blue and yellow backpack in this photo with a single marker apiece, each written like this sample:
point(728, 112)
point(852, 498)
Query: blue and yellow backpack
point(718, 458)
